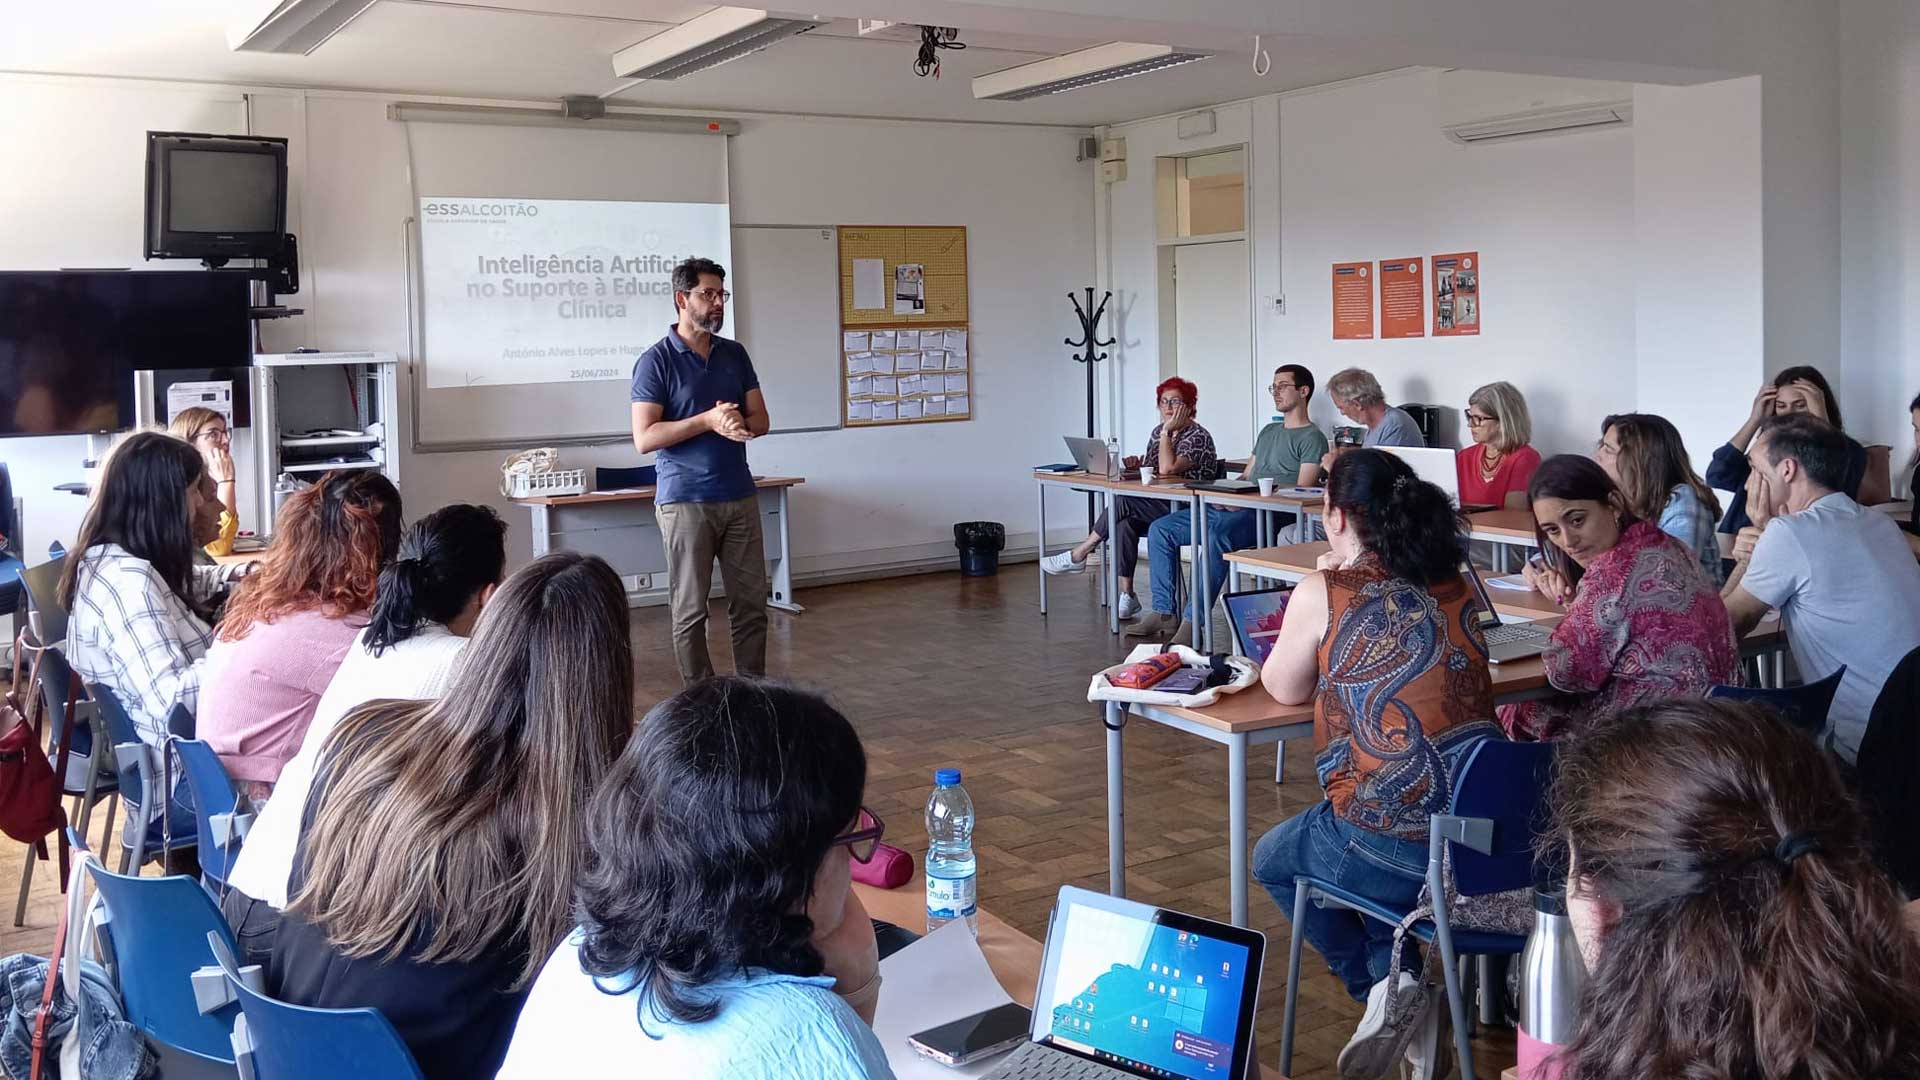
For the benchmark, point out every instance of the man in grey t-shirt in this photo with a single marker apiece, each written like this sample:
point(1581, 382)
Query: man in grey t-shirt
point(1358, 396)
point(1846, 586)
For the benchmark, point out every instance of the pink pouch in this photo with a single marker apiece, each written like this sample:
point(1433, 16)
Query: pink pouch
point(889, 869)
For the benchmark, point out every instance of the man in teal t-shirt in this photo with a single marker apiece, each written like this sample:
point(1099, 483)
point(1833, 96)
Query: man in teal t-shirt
point(1289, 450)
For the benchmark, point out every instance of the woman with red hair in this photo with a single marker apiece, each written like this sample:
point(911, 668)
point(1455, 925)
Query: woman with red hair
point(1177, 447)
point(288, 628)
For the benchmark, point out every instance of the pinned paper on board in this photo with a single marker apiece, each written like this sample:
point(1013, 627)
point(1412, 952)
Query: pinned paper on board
point(910, 289)
point(955, 341)
point(909, 384)
point(956, 406)
point(882, 363)
point(956, 361)
point(885, 386)
point(930, 361)
point(860, 387)
point(957, 384)
point(869, 284)
point(886, 410)
point(859, 363)
point(911, 408)
point(854, 341)
point(883, 340)
point(859, 410)
point(906, 340)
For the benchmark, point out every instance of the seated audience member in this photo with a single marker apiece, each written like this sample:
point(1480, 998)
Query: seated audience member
point(1912, 525)
point(736, 950)
point(138, 603)
point(287, 628)
point(1733, 922)
point(430, 596)
point(1642, 624)
point(1865, 478)
point(1845, 583)
point(1647, 460)
point(1494, 470)
point(438, 848)
point(1358, 396)
point(1177, 448)
point(207, 432)
point(1383, 641)
point(1288, 451)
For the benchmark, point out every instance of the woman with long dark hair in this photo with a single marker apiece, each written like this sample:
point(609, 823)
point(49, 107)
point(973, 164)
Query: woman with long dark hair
point(1642, 622)
point(288, 627)
point(1647, 460)
point(138, 604)
point(1383, 641)
point(439, 844)
point(1722, 889)
point(430, 596)
point(719, 936)
point(1868, 479)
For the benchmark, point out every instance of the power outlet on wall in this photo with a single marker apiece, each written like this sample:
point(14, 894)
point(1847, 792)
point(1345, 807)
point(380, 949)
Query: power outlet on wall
point(1277, 303)
point(636, 583)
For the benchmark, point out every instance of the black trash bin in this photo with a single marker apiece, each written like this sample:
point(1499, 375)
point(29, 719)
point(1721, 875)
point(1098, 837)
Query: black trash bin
point(980, 544)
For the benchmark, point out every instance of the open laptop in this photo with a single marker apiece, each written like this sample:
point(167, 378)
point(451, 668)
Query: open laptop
point(1506, 641)
point(1256, 617)
point(1130, 990)
point(1435, 465)
point(1091, 455)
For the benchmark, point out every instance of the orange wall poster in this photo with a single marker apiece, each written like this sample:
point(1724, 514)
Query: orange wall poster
point(1403, 298)
point(1352, 301)
point(1456, 294)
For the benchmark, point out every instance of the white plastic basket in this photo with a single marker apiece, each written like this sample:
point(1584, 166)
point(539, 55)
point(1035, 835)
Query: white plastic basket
point(541, 484)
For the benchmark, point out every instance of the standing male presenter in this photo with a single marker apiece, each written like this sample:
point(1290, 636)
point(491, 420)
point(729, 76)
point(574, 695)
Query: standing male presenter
point(696, 404)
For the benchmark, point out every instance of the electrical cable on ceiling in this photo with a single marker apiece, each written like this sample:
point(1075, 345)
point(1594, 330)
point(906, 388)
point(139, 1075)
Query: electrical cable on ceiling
point(1262, 63)
point(932, 40)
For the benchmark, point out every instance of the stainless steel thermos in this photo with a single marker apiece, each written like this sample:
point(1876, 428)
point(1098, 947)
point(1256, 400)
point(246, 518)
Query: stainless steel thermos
point(1552, 976)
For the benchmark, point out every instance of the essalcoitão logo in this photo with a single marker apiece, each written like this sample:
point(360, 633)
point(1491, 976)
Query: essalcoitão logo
point(480, 208)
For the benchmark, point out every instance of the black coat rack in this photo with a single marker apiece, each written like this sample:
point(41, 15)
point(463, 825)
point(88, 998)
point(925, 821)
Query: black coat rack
point(1089, 341)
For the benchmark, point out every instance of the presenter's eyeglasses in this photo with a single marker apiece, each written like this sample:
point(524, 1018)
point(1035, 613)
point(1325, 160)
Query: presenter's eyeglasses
point(712, 296)
point(864, 840)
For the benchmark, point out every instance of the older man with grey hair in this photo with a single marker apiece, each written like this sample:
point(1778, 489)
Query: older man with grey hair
point(1358, 396)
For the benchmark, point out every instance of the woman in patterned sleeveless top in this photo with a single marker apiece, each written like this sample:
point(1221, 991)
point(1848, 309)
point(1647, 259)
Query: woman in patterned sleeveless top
point(1384, 641)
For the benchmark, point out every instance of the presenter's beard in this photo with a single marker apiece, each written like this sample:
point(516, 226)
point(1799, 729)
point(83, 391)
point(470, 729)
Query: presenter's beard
point(713, 323)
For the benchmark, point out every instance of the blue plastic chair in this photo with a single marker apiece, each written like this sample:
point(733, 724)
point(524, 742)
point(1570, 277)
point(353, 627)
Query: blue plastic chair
point(215, 810)
point(139, 840)
point(154, 935)
point(1499, 805)
point(621, 479)
point(41, 588)
point(1805, 707)
point(273, 1040)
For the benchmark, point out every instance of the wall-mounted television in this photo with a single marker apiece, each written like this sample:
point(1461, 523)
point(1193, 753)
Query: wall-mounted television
point(215, 197)
point(71, 340)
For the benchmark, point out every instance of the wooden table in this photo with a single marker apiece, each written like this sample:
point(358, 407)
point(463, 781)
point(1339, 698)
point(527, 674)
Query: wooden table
point(619, 526)
point(1108, 491)
point(1303, 503)
point(1296, 561)
point(1013, 956)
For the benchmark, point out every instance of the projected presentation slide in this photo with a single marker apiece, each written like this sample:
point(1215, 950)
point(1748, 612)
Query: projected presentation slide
point(553, 290)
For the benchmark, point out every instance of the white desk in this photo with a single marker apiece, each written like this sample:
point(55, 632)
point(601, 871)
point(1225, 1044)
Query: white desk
point(1109, 491)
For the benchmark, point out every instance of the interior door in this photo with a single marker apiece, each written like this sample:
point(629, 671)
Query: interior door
point(1214, 349)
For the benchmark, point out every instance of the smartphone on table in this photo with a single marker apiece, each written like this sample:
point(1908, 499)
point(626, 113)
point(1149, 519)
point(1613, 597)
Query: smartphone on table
point(975, 1038)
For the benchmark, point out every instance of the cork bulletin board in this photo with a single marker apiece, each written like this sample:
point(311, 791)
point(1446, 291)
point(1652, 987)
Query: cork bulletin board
point(906, 346)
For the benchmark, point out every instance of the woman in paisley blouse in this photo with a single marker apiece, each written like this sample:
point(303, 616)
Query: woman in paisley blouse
point(1178, 448)
point(1642, 624)
point(1383, 641)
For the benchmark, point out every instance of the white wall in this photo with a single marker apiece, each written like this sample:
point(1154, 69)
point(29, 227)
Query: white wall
point(875, 498)
point(1880, 216)
point(1699, 265)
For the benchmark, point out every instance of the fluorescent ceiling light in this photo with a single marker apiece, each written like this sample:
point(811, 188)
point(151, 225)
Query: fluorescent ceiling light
point(292, 26)
point(1087, 67)
point(723, 34)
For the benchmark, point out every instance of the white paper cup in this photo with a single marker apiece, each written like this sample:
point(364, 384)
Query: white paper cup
point(1266, 485)
point(1146, 474)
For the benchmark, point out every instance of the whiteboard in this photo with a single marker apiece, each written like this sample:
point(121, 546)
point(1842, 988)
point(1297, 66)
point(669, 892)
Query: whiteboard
point(786, 307)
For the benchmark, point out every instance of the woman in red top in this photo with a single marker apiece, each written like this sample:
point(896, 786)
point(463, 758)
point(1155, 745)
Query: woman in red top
point(1495, 470)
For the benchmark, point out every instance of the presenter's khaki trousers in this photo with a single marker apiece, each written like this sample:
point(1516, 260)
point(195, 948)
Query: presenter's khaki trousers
point(695, 534)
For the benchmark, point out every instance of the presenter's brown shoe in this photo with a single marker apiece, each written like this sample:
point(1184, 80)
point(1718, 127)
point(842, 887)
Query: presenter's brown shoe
point(1154, 624)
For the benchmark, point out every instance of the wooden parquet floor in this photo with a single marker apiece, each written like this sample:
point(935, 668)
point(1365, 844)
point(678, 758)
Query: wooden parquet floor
point(941, 670)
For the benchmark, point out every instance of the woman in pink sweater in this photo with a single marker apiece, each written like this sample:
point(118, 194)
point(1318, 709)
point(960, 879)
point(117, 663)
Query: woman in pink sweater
point(288, 628)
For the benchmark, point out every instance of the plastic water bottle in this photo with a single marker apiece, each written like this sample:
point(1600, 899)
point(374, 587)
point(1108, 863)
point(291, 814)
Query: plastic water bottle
point(1113, 456)
point(950, 864)
point(1553, 974)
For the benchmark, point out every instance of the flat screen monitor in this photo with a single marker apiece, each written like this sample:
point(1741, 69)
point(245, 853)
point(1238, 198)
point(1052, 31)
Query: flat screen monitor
point(215, 197)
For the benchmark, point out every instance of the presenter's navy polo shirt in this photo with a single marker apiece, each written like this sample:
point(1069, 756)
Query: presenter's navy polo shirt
point(708, 467)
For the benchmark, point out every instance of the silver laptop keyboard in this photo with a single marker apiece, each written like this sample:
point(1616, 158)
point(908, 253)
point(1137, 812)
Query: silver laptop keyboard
point(1507, 633)
point(1033, 1061)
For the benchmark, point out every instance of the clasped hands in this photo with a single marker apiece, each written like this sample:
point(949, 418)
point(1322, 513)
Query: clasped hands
point(726, 420)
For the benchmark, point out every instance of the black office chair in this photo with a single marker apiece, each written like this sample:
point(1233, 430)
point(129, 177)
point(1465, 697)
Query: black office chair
point(621, 479)
point(1889, 772)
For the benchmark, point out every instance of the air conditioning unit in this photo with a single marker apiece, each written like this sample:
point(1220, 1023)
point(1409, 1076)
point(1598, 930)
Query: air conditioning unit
point(1539, 122)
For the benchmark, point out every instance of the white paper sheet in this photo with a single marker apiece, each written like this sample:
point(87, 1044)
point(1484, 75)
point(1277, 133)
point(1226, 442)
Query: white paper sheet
point(937, 405)
point(859, 410)
point(955, 341)
point(957, 405)
point(869, 285)
point(956, 361)
point(1512, 582)
point(883, 339)
point(957, 384)
point(938, 979)
point(854, 341)
point(880, 362)
point(909, 384)
point(860, 387)
point(885, 385)
point(907, 339)
point(932, 361)
point(885, 410)
point(859, 363)
point(911, 408)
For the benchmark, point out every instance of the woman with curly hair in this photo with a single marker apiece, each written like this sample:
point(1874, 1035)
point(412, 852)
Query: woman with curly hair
point(719, 936)
point(288, 627)
point(1733, 922)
